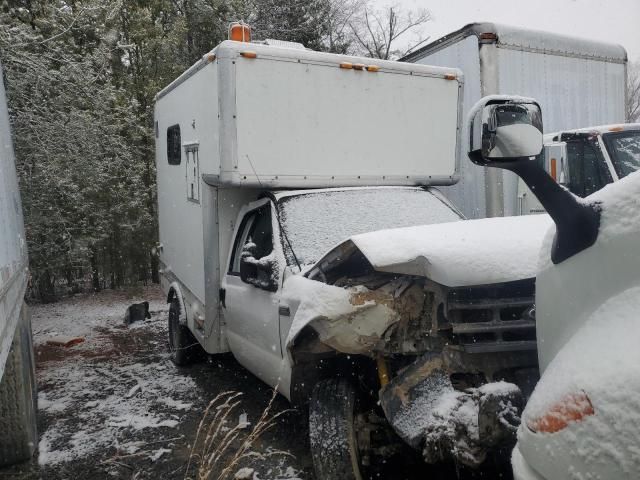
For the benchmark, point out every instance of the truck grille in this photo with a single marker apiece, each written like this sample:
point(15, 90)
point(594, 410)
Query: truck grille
point(495, 318)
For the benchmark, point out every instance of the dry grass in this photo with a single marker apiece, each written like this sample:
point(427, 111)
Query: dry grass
point(218, 450)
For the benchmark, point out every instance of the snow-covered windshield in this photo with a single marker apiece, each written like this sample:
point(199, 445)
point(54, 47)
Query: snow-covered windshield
point(315, 222)
point(624, 150)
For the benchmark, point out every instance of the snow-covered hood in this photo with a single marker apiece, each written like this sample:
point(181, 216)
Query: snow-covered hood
point(464, 253)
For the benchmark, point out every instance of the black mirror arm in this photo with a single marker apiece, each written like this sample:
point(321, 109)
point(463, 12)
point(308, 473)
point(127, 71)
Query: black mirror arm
point(577, 222)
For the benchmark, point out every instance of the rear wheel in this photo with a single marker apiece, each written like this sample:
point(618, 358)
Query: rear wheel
point(183, 346)
point(332, 431)
point(18, 398)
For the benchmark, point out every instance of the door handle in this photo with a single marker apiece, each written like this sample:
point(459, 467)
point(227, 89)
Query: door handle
point(284, 311)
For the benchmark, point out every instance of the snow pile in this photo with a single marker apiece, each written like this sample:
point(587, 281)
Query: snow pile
point(472, 252)
point(316, 222)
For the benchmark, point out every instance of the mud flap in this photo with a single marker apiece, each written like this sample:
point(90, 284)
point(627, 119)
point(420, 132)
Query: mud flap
point(428, 413)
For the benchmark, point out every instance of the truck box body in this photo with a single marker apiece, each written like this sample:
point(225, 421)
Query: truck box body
point(577, 83)
point(13, 247)
point(250, 117)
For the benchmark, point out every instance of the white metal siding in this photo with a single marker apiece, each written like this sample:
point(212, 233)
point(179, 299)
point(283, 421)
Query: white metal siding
point(311, 124)
point(13, 253)
point(194, 106)
point(469, 193)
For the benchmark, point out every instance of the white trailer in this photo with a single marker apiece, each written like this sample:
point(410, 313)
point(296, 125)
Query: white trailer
point(578, 82)
point(17, 375)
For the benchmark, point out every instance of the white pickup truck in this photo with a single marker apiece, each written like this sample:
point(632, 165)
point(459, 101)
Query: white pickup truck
point(18, 437)
point(295, 233)
point(584, 160)
point(583, 419)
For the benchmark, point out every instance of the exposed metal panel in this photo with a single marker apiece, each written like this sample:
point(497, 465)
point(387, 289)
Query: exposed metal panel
point(469, 193)
point(573, 93)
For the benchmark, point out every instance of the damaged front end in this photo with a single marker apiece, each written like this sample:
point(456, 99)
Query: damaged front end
point(454, 364)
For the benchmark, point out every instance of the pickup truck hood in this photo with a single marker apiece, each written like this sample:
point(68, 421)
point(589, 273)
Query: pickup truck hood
point(456, 254)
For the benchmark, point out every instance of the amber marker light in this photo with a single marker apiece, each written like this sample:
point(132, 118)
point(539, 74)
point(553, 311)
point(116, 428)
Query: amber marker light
point(616, 129)
point(573, 408)
point(346, 65)
point(372, 68)
point(450, 76)
point(554, 169)
point(248, 54)
point(358, 66)
point(240, 32)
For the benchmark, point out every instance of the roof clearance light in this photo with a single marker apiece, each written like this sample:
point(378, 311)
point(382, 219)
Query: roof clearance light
point(240, 32)
point(616, 129)
point(572, 408)
point(248, 54)
point(450, 76)
point(358, 66)
point(346, 65)
point(373, 68)
point(488, 36)
point(211, 57)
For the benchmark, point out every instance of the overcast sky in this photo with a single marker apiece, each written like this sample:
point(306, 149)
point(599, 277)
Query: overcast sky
point(616, 21)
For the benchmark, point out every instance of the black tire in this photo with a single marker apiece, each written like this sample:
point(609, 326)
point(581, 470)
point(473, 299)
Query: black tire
point(18, 398)
point(332, 433)
point(184, 348)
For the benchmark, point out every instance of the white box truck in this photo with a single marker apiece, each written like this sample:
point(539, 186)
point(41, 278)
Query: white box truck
point(18, 437)
point(578, 82)
point(297, 234)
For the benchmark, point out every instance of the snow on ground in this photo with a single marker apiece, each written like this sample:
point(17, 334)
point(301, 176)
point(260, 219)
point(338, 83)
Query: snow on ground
point(96, 402)
point(115, 403)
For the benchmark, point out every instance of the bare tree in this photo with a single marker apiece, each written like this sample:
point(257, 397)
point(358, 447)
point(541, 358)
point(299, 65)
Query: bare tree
point(385, 33)
point(633, 92)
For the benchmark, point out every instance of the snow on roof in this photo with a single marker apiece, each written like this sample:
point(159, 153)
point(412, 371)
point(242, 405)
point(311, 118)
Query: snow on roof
point(615, 127)
point(525, 39)
point(471, 252)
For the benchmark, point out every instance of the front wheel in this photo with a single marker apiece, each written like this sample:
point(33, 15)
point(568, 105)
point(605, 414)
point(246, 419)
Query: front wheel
point(183, 346)
point(332, 432)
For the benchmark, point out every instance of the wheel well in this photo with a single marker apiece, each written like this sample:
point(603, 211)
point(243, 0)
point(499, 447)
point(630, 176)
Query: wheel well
point(314, 361)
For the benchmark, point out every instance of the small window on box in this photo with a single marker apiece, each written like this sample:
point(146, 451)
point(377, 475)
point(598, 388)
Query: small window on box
point(174, 150)
point(193, 172)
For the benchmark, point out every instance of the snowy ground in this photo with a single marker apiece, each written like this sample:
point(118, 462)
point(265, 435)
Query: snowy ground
point(115, 406)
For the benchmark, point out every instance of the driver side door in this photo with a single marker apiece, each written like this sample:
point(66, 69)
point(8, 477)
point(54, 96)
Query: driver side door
point(250, 304)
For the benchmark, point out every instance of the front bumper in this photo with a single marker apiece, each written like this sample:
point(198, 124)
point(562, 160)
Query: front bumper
point(521, 469)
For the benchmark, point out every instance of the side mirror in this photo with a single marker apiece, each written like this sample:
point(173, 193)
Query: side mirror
point(505, 129)
point(506, 132)
point(261, 273)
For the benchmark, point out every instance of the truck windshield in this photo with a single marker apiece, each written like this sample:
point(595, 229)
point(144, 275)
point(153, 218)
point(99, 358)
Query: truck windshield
point(624, 150)
point(316, 222)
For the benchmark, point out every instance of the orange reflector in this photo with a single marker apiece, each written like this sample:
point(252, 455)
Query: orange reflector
point(554, 169)
point(373, 68)
point(240, 32)
point(249, 54)
point(358, 66)
point(572, 408)
point(346, 65)
point(488, 36)
point(450, 76)
point(616, 129)
point(211, 58)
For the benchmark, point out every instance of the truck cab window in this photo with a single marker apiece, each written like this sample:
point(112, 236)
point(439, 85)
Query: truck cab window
point(174, 151)
point(255, 229)
point(587, 169)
